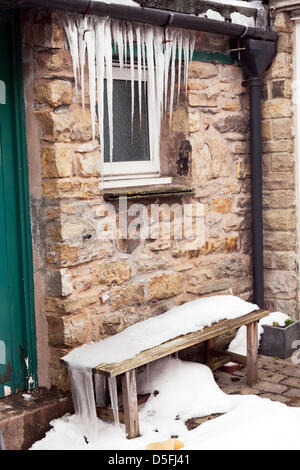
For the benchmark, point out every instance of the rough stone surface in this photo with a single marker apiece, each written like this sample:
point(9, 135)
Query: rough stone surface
point(25, 422)
point(162, 287)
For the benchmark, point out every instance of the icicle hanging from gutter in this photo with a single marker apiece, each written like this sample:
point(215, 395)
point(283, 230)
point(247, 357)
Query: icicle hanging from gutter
point(157, 51)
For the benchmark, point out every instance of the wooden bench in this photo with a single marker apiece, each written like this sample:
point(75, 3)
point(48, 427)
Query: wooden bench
point(215, 359)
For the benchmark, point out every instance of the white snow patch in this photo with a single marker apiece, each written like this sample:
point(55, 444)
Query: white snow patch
point(129, 3)
point(7, 391)
point(239, 3)
point(238, 18)
point(187, 390)
point(239, 344)
point(214, 15)
point(27, 397)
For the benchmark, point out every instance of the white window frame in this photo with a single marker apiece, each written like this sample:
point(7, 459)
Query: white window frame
point(135, 169)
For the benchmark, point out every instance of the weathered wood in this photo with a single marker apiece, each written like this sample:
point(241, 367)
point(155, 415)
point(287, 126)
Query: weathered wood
point(234, 357)
point(107, 413)
point(252, 353)
point(217, 362)
point(210, 344)
point(179, 343)
point(130, 404)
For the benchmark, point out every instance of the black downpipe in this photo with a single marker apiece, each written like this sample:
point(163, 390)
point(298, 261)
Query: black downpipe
point(255, 57)
point(254, 85)
point(146, 15)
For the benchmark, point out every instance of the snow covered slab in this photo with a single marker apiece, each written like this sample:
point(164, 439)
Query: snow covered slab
point(179, 343)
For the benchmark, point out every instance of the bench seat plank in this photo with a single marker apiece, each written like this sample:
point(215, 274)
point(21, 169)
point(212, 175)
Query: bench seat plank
point(179, 343)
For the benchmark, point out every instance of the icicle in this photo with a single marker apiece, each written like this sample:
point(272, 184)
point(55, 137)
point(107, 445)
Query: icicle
point(174, 45)
point(109, 75)
point(82, 27)
point(143, 46)
point(100, 389)
point(192, 45)
point(151, 90)
point(113, 392)
point(71, 30)
point(90, 41)
point(159, 67)
point(159, 89)
point(131, 53)
point(186, 51)
point(82, 390)
point(125, 43)
point(179, 49)
point(139, 66)
point(100, 80)
point(118, 39)
point(167, 59)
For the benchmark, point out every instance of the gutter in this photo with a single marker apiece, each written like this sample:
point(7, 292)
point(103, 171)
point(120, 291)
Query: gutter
point(255, 49)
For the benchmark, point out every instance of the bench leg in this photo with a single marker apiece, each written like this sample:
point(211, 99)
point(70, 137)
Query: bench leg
point(131, 411)
point(252, 353)
point(210, 345)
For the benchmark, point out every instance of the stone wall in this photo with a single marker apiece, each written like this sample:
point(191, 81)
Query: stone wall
point(279, 181)
point(94, 288)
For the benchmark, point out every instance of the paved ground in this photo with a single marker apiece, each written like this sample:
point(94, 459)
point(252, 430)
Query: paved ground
point(279, 380)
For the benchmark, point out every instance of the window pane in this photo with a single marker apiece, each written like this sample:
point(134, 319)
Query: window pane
point(131, 142)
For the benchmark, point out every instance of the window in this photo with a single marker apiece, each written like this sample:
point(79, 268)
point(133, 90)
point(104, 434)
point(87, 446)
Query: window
point(131, 159)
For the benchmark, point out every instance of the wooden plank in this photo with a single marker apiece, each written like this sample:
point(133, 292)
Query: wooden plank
point(234, 357)
point(217, 362)
point(130, 404)
point(107, 413)
point(252, 353)
point(179, 343)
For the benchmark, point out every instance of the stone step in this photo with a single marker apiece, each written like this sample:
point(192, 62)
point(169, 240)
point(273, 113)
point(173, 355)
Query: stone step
point(23, 422)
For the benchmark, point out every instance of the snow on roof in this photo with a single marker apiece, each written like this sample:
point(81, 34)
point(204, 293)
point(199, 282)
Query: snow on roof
point(130, 3)
point(212, 9)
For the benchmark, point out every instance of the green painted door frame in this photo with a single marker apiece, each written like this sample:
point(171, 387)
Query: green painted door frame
point(18, 362)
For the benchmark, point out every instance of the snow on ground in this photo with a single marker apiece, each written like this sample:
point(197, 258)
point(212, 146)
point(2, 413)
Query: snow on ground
point(187, 390)
point(189, 317)
point(239, 344)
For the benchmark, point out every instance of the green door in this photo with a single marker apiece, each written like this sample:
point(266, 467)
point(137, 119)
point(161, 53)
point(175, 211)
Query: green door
point(17, 370)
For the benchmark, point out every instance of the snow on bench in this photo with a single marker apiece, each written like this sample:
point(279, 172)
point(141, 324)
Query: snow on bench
point(181, 327)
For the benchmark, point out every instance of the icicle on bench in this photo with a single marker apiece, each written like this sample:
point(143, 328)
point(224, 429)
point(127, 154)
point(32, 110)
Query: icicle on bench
point(215, 359)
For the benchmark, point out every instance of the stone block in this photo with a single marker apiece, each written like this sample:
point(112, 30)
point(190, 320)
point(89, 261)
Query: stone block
point(164, 286)
point(53, 92)
point(128, 295)
point(61, 188)
point(114, 272)
point(57, 161)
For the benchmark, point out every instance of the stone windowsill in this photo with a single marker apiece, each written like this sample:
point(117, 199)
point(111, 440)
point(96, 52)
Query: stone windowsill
point(170, 190)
